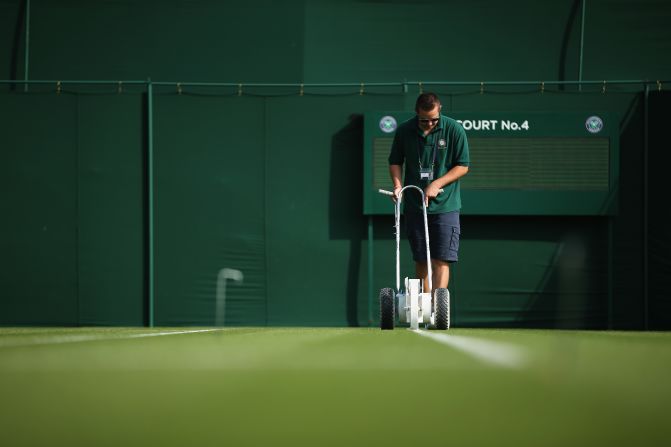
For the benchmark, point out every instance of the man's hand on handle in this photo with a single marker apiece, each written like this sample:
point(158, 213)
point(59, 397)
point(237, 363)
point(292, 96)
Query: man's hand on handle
point(397, 193)
point(431, 192)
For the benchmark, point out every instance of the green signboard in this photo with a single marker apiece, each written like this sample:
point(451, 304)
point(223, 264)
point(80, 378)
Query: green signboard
point(563, 163)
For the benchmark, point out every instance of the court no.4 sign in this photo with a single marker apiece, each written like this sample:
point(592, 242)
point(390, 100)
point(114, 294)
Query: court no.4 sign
point(494, 125)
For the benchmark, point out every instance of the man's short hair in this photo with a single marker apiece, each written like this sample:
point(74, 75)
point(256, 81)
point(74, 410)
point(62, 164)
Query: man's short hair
point(426, 101)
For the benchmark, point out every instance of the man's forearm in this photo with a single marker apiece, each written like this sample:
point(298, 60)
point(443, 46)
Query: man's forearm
point(452, 176)
point(395, 172)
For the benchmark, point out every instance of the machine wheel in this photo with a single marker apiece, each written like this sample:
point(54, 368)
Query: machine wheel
point(387, 308)
point(442, 316)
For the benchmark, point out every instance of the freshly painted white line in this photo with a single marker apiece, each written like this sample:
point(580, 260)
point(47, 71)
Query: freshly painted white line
point(493, 352)
point(35, 341)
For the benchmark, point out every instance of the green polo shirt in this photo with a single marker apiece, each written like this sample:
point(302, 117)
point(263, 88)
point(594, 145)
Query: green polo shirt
point(451, 149)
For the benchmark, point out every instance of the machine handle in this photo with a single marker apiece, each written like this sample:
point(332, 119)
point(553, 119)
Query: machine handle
point(389, 193)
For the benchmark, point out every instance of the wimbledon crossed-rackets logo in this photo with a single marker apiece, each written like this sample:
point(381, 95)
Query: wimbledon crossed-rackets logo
point(594, 124)
point(388, 124)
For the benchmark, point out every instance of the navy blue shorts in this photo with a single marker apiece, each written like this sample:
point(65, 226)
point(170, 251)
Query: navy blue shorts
point(444, 232)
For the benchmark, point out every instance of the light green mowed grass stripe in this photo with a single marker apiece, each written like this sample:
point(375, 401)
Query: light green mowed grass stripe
point(33, 339)
point(246, 349)
point(333, 386)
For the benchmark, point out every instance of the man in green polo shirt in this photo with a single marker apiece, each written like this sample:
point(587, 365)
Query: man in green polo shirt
point(434, 150)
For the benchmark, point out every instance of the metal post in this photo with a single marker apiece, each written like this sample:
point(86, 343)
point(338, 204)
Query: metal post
point(370, 270)
point(611, 250)
point(582, 44)
point(150, 201)
point(26, 55)
point(645, 207)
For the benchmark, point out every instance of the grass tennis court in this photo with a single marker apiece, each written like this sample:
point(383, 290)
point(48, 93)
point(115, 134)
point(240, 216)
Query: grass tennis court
point(333, 387)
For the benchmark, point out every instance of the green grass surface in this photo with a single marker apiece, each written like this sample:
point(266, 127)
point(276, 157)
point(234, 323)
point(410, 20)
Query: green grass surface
point(332, 387)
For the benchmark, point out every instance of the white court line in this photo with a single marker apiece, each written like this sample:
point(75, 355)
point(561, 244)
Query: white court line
point(81, 338)
point(496, 353)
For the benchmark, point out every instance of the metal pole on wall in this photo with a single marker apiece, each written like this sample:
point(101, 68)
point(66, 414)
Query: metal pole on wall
point(26, 55)
point(611, 250)
point(150, 201)
point(582, 44)
point(370, 270)
point(645, 206)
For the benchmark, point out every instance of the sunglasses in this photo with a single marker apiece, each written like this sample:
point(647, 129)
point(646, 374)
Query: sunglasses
point(428, 120)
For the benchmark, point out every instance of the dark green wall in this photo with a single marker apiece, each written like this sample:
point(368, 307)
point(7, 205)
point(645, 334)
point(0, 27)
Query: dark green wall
point(72, 207)
point(39, 209)
point(269, 182)
point(658, 238)
point(339, 41)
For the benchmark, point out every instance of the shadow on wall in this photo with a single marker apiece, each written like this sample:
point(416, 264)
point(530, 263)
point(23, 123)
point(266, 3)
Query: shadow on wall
point(346, 203)
point(627, 311)
point(574, 289)
point(659, 232)
point(526, 288)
